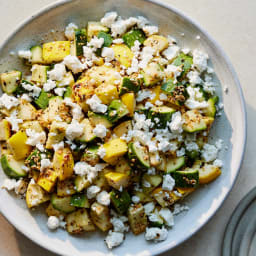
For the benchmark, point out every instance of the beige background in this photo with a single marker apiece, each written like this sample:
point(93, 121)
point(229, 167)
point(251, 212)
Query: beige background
point(232, 24)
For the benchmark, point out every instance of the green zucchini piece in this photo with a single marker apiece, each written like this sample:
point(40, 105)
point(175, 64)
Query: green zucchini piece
point(128, 86)
point(138, 156)
point(35, 157)
point(174, 164)
point(79, 200)
point(160, 116)
point(152, 74)
point(184, 60)
point(43, 100)
point(107, 38)
point(11, 167)
point(62, 203)
point(120, 200)
point(90, 155)
point(186, 179)
point(152, 180)
point(80, 41)
point(94, 28)
point(81, 182)
point(194, 121)
point(133, 35)
point(96, 118)
point(68, 92)
point(116, 110)
point(211, 109)
point(10, 81)
point(192, 154)
point(36, 54)
point(88, 135)
point(39, 73)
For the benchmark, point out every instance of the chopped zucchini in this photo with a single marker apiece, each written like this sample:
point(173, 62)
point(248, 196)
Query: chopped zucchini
point(34, 159)
point(173, 164)
point(123, 54)
point(5, 130)
point(35, 195)
point(211, 109)
point(80, 41)
point(144, 198)
point(65, 187)
point(137, 218)
point(81, 182)
point(68, 92)
point(11, 167)
point(80, 200)
point(33, 125)
point(123, 166)
point(100, 216)
point(116, 110)
point(152, 74)
point(120, 200)
point(55, 51)
point(10, 81)
point(155, 159)
point(138, 156)
point(186, 179)
point(51, 211)
point(160, 116)
point(128, 86)
point(150, 182)
point(117, 180)
point(133, 35)
point(56, 133)
point(62, 203)
point(165, 198)
point(158, 43)
point(96, 118)
point(36, 54)
point(193, 121)
point(94, 28)
point(39, 73)
point(186, 61)
point(90, 155)
point(107, 38)
point(43, 100)
point(26, 111)
point(88, 134)
point(123, 128)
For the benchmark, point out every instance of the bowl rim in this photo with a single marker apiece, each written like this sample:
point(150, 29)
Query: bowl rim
point(168, 6)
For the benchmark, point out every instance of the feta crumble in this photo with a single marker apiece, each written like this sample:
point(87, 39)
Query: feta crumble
point(70, 31)
point(96, 105)
point(14, 121)
point(168, 182)
point(58, 72)
point(209, 152)
point(49, 85)
point(103, 198)
point(100, 130)
point(74, 130)
point(108, 54)
point(53, 222)
point(108, 19)
point(35, 138)
point(25, 54)
point(171, 52)
point(92, 191)
point(156, 234)
point(74, 64)
point(166, 214)
point(8, 102)
point(114, 239)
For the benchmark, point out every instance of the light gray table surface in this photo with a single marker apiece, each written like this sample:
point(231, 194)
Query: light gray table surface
point(232, 24)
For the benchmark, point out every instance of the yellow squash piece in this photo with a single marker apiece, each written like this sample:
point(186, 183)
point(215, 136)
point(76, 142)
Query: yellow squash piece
point(117, 180)
point(35, 195)
point(5, 130)
point(123, 54)
point(34, 125)
point(129, 101)
point(208, 173)
point(114, 148)
point(165, 198)
point(123, 128)
point(158, 43)
point(63, 163)
point(157, 91)
point(55, 51)
point(17, 145)
point(47, 179)
point(106, 93)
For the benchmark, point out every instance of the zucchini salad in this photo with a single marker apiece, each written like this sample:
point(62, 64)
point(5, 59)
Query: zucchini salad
point(109, 128)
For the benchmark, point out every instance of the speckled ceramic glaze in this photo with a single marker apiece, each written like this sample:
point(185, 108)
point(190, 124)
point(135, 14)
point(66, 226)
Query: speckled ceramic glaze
point(231, 126)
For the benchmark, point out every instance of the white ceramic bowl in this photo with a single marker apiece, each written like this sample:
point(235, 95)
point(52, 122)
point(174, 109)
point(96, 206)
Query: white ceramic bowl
point(231, 126)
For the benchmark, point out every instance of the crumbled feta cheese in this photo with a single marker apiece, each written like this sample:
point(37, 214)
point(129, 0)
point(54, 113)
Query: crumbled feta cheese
point(101, 152)
point(60, 91)
point(9, 184)
point(194, 78)
point(74, 64)
point(35, 138)
point(14, 121)
point(45, 163)
point(179, 208)
point(53, 222)
point(194, 96)
point(114, 239)
point(96, 105)
point(166, 214)
point(176, 123)
point(118, 28)
point(209, 152)
point(171, 52)
point(218, 163)
point(168, 182)
point(219, 144)
point(144, 94)
point(118, 41)
point(185, 50)
point(108, 19)
point(146, 55)
point(100, 130)
point(149, 207)
point(190, 146)
point(58, 72)
point(76, 109)
point(40, 147)
point(135, 199)
point(173, 71)
point(103, 198)
point(208, 84)
point(108, 54)
point(156, 234)
point(200, 60)
point(26, 97)
point(92, 191)
point(150, 30)
point(58, 146)
point(74, 130)
point(96, 42)
point(198, 37)
point(158, 103)
point(25, 54)
point(34, 91)
point(118, 224)
point(180, 152)
point(70, 31)
point(49, 85)
point(8, 102)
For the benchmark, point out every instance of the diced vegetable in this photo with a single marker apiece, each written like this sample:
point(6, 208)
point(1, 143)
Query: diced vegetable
point(123, 54)
point(81, 182)
point(5, 130)
point(62, 203)
point(150, 182)
point(80, 41)
point(186, 61)
point(158, 43)
point(36, 54)
point(138, 156)
point(122, 128)
point(107, 38)
point(186, 178)
point(129, 101)
point(165, 198)
point(106, 93)
point(65, 187)
point(26, 111)
point(152, 74)
point(43, 100)
point(137, 219)
point(133, 35)
point(47, 179)
point(90, 155)
point(80, 200)
point(120, 200)
point(193, 121)
point(99, 119)
point(128, 86)
point(10, 81)
point(88, 135)
point(116, 110)
point(174, 164)
point(94, 28)
point(117, 180)
point(39, 73)
point(208, 173)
